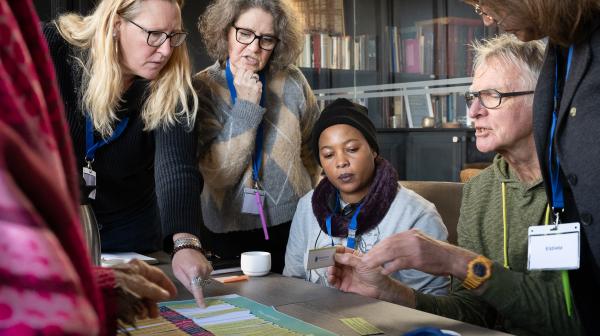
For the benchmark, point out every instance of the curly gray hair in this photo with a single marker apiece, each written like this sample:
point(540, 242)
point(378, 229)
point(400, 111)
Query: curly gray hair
point(220, 16)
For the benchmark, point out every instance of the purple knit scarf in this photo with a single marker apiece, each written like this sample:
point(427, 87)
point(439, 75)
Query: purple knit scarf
point(376, 203)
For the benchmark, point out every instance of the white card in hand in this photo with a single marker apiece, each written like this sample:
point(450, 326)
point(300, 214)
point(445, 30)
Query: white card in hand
point(319, 258)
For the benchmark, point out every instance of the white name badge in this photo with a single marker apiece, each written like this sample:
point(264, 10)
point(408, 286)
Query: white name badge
point(250, 206)
point(553, 247)
point(89, 176)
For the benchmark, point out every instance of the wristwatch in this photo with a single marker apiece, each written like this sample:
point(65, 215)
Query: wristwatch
point(478, 271)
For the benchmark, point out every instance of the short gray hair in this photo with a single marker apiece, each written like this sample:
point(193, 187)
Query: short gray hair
point(507, 48)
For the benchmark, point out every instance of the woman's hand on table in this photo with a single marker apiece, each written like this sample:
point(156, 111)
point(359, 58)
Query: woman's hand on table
point(139, 287)
point(190, 264)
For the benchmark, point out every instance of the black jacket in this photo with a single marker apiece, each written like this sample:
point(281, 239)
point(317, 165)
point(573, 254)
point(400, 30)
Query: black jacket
point(577, 143)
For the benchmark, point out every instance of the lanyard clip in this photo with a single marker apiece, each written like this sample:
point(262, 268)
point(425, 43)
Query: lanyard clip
point(89, 163)
point(256, 185)
point(556, 212)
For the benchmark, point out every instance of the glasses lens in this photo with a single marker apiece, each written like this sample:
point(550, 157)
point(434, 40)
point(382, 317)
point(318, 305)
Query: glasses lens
point(268, 42)
point(177, 39)
point(490, 98)
point(155, 39)
point(469, 98)
point(245, 36)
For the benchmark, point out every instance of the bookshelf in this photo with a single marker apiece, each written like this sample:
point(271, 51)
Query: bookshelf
point(416, 45)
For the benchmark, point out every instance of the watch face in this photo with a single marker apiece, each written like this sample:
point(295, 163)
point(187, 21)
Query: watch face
point(479, 269)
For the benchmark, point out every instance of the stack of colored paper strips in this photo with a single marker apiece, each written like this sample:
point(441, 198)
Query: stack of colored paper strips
point(223, 315)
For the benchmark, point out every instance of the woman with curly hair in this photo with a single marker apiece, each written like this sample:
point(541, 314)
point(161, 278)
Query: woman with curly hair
point(255, 155)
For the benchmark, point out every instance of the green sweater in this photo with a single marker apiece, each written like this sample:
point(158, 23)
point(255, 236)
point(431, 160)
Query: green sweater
point(515, 300)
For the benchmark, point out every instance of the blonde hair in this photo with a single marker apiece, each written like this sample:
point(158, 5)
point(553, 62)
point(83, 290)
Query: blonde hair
point(217, 20)
point(506, 48)
point(171, 97)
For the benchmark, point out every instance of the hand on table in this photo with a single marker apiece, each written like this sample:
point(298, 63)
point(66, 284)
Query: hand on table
point(141, 287)
point(247, 85)
point(189, 264)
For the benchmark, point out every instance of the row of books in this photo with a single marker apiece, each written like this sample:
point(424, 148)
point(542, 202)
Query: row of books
point(322, 50)
point(433, 47)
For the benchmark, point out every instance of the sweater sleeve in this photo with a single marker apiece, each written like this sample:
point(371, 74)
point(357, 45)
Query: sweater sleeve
point(430, 223)
point(106, 282)
point(460, 304)
point(512, 295)
point(178, 182)
point(308, 119)
point(297, 242)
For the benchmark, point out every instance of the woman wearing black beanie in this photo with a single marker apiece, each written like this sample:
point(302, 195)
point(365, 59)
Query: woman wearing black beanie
point(359, 201)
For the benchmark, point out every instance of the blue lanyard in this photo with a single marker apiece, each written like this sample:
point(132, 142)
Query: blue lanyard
point(558, 201)
point(258, 145)
point(351, 242)
point(90, 146)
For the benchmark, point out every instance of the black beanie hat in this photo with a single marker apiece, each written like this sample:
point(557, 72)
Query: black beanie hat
point(343, 111)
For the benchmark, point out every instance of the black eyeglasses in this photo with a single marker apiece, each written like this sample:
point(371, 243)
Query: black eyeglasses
point(246, 36)
point(491, 98)
point(157, 38)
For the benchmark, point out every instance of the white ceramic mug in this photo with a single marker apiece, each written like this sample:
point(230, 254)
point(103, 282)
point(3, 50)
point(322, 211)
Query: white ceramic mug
point(256, 263)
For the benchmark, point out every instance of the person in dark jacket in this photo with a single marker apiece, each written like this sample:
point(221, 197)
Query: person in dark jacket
point(566, 120)
point(124, 75)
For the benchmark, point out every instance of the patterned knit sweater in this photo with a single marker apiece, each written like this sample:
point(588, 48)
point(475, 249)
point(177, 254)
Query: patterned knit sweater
point(288, 168)
point(523, 302)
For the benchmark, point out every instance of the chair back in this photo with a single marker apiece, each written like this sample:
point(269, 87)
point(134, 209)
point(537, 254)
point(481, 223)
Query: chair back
point(446, 196)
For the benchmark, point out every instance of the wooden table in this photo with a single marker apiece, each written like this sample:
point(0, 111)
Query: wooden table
point(324, 307)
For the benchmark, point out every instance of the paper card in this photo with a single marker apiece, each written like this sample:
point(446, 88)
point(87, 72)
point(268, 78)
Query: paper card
point(250, 206)
point(319, 258)
point(361, 326)
point(109, 259)
point(553, 247)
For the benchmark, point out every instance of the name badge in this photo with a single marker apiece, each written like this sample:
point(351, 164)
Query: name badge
point(552, 247)
point(89, 176)
point(319, 258)
point(250, 205)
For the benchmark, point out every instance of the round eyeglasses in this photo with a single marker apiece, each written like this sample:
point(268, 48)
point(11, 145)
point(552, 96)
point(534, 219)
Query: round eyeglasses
point(246, 36)
point(157, 38)
point(491, 98)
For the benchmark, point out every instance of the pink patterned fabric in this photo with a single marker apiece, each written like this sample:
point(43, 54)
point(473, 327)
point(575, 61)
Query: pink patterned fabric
point(47, 284)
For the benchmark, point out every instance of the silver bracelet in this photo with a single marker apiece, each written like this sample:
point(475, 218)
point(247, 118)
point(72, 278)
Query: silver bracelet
point(186, 241)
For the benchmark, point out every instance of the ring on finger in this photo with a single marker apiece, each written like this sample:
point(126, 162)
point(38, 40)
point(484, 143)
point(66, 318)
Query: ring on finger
point(198, 281)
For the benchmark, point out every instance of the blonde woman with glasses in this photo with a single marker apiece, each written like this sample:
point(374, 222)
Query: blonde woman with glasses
point(124, 75)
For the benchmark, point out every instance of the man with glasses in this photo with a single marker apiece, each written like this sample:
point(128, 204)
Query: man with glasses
point(492, 286)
